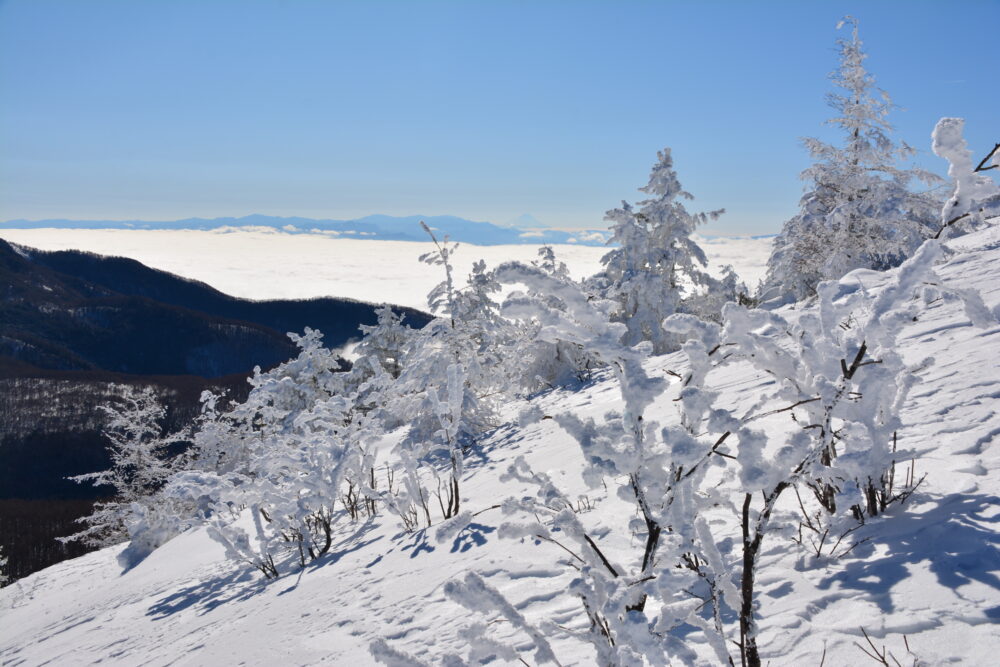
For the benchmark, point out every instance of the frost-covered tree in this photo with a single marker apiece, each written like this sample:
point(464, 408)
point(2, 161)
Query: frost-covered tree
point(859, 209)
point(654, 469)
point(291, 488)
point(976, 196)
point(266, 473)
point(271, 472)
point(385, 341)
point(227, 440)
point(839, 377)
point(141, 463)
point(657, 270)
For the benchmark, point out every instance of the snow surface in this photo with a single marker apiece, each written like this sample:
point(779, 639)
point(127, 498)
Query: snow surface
point(266, 264)
point(931, 571)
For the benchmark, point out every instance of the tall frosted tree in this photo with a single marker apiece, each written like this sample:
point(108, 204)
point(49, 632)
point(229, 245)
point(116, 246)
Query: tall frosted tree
point(657, 268)
point(859, 209)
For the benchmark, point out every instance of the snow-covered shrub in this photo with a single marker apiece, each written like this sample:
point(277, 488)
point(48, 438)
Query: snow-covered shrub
point(545, 363)
point(266, 473)
point(839, 372)
point(657, 270)
point(859, 210)
point(228, 440)
point(447, 392)
point(654, 469)
point(840, 379)
point(975, 196)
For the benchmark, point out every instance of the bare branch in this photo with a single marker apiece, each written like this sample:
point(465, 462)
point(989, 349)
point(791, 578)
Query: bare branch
point(980, 167)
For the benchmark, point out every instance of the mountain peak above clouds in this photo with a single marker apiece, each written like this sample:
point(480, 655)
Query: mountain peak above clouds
point(525, 221)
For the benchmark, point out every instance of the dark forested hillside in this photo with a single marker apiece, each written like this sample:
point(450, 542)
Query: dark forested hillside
point(78, 311)
point(77, 331)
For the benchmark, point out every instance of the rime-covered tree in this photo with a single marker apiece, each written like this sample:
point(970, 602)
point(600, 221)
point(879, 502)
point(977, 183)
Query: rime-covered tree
point(284, 458)
point(385, 341)
point(837, 377)
point(859, 209)
point(657, 268)
point(141, 462)
point(447, 392)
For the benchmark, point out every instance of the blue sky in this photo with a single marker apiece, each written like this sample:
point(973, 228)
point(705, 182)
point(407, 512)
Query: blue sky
point(485, 110)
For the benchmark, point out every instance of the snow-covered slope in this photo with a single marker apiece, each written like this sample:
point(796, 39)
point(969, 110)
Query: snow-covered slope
point(930, 570)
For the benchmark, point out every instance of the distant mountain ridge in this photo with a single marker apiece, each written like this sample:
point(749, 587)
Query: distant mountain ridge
point(376, 227)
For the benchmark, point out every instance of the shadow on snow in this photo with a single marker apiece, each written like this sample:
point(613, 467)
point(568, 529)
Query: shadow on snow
point(958, 536)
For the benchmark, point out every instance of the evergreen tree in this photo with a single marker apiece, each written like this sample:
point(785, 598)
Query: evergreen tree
point(859, 210)
point(657, 267)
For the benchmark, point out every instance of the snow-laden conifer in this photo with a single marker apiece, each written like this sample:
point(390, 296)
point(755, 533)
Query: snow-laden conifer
point(658, 269)
point(385, 341)
point(859, 209)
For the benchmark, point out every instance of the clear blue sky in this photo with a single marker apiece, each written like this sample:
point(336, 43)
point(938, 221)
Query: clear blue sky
point(485, 110)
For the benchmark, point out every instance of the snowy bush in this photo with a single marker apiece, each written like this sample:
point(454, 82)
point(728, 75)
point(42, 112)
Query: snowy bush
point(446, 395)
point(656, 471)
point(544, 363)
point(283, 456)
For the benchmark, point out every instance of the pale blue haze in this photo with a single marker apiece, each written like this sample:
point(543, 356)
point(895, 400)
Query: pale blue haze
point(484, 110)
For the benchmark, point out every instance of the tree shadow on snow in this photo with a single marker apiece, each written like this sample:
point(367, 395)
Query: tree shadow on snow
point(349, 544)
point(958, 538)
point(419, 544)
point(245, 582)
point(204, 596)
point(473, 535)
